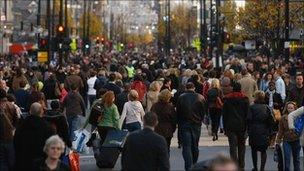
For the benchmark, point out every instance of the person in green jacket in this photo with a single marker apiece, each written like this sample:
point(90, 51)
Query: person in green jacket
point(110, 116)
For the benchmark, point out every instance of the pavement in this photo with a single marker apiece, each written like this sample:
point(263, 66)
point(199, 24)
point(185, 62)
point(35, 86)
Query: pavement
point(208, 149)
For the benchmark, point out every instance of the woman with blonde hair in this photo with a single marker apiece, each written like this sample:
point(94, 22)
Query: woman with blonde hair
point(132, 113)
point(54, 147)
point(110, 116)
point(166, 116)
point(151, 96)
point(215, 104)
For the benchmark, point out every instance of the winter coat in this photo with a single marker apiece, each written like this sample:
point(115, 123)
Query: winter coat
point(235, 111)
point(132, 112)
point(49, 89)
point(277, 100)
point(150, 98)
point(74, 104)
point(73, 79)
point(166, 119)
point(29, 141)
point(260, 123)
point(140, 87)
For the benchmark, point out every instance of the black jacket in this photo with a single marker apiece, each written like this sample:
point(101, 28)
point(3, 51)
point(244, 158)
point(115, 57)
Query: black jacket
point(145, 150)
point(277, 100)
point(260, 122)
point(29, 141)
point(190, 108)
point(112, 87)
point(40, 165)
point(121, 99)
point(235, 110)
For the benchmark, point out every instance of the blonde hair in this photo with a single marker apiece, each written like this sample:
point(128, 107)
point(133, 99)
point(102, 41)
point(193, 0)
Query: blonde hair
point(55, 139)
point(154, 86)
point(164, 96)
point(215, 83)
point(133, 95)
point(285, 111)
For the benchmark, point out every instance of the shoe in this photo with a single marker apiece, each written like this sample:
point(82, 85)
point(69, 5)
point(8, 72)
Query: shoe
point(90, 142)
point(216, 137)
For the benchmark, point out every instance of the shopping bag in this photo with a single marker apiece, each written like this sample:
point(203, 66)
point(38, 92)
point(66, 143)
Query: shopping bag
point(80, 139)
point(299, 125)
point(74, 161)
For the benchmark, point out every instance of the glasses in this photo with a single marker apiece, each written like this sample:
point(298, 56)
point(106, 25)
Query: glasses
point(56, 148)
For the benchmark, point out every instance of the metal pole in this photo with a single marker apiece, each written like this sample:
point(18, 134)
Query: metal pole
point(217, 5)
point(201, 28)
point(205, 29)
point(66, 16)
point(84, 25)
point(48, 13)
point(210, 33)
point(88, 24)
point(286, 29)
point(61, 12)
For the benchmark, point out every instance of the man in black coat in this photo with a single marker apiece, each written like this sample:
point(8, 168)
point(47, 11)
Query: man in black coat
point(144, 149)
point(235, 110)
point(30, 138)
point(190, 114)
point(111, 86)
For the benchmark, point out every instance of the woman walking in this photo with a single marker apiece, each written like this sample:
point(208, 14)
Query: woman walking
point(214, 98)
point(291, 142)
point(260, 122)
point(132, 113)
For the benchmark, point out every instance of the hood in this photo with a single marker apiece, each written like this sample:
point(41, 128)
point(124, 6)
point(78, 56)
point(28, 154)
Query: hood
point(235, 95)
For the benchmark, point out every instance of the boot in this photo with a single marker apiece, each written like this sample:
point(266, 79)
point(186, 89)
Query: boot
point(214, 137)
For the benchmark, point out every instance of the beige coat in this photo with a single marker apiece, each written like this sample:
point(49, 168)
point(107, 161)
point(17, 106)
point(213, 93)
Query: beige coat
point(150, 98)
point(249, 86)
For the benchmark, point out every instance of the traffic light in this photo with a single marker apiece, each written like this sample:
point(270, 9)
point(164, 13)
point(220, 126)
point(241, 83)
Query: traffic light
point(60, 31)
point(43, 44)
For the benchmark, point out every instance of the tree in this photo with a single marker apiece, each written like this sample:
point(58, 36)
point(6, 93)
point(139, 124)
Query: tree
point(96, 28)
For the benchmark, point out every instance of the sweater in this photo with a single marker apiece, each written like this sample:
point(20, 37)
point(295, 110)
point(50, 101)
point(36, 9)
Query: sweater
point(110, 117)
point(132, 112)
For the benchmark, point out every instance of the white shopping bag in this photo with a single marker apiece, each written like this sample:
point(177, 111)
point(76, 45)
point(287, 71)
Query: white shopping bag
point(81, 137)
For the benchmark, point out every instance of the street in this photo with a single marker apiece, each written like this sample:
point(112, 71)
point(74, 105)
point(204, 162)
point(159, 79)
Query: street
point(208, 149)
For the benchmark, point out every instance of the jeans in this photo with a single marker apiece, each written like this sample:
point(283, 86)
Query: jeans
point(73, 122)
point(189, 135)
point(7, 156)
point(91, 99)
point(237, 147)
point(292, 148)
point(133, 126)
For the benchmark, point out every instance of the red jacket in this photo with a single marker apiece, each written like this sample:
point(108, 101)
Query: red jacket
point(140, 87)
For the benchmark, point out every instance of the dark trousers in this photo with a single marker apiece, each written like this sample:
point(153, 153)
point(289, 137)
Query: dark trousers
point(103, 131)
point(189, 135)
point(7, 156)
point(292, 149)
point(237, 147)
point(131, 127)
point(91, 99)
point(215, 116)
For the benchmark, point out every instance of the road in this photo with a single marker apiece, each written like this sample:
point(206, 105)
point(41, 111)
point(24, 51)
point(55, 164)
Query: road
point(208, 149)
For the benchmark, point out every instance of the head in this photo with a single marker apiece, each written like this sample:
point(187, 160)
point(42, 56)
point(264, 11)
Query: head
point(236, 87)
point(268, 76)
point(55, 105)
point(190, 86)
point(36, 109)
point(74, 87)
point(112, 77)
point(215, 83)
point(150, 120)
point(154, 86)
point(100, 93)
point(226, 85)
point(133, 95)
point(286, 78)
point(164, 96)
point(222, 163)
point(108, 98)
point(289, 107)
point(271, 86)
point(92, 73)
point(299, 80)
point(167, 82)
point(127, 87)
point(259, 97)
point(54, 147)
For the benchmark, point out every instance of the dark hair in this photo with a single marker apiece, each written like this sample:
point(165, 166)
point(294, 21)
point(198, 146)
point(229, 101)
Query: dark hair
point(22, 84)
point(92, 73)
point(112, 77)
point(237, 87)
point(166, 80)
point(190, 85)
point(101, 92)
point(3, 94)
point(11, 98)
point(74, 86)
point(55, 104)
point(150, 119)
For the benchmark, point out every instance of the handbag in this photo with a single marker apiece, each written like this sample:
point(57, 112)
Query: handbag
point(96, 113)
point(74, 161)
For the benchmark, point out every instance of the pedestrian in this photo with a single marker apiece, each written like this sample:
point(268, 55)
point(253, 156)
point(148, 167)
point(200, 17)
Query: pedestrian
point(75, 107)
point(109, 119)
point(122, 98)
point(265, 81)
point(139, 86)
point(215, 104)
point(111, 86)
point(8, 123)
point(53, 148)
point(166, 114)
point(166, 84)
point(260, 122)
point(151, 96)
point(291, 141)
point(235, 111)
point(297, 92)
point(190, 114)
point(248, 84)
point(279, 84)
point(18, 78)
point(91, 91)
point(30, 137)
point(132, 113)
point(73, 79)
point(144, 149)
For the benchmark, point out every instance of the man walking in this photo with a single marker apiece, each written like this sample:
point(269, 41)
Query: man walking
point(144, 149)
point(190, 114)
point(235, 110)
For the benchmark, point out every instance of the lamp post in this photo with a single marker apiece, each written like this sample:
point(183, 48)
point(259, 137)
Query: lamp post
point(168, 28)
point(286, 29)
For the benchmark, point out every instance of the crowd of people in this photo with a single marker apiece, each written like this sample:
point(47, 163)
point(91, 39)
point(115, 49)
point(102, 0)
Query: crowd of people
point(151, 97)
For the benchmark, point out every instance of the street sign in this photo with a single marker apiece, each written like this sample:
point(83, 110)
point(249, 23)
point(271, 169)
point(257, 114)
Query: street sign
point(42, 56)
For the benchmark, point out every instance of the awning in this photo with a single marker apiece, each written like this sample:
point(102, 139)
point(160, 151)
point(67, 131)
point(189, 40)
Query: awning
point(18, 48)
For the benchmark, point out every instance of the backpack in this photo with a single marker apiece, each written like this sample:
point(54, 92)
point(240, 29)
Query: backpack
point(299, 125)
point(96, 112)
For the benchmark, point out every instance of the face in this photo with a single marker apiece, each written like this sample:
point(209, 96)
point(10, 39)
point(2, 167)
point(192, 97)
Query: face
point(54, 151)
point(271, 87)
point(290, 108)
point(269, 77)
point(299, 80)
